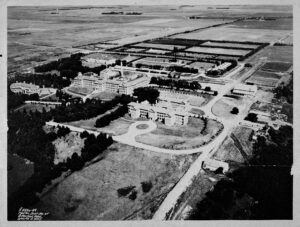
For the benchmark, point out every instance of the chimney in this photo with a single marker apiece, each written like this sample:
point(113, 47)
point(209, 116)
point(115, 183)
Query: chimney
point(121, 69)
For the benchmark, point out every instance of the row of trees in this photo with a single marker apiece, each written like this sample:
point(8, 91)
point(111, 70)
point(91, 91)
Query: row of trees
point(107, 118)
point(267, 180)
point(180, 84)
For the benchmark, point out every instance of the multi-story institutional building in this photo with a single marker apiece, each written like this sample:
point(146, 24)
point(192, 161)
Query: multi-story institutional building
point(112, 80)
point(24, 88)
point(163, 112)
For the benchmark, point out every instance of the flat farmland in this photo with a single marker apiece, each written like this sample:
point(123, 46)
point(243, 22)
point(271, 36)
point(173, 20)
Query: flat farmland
point(158, 46)
point(237, 45)
point(276, 66)
point(274, 53)
point(260, 81)
point(279, 24)
point(91, 193)
point(267, 75)
point(219, 51)
point(235, 34)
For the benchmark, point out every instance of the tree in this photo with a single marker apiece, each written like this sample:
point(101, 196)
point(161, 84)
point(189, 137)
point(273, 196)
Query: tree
point(234, 110)
point(251, 117)
point(146, 186)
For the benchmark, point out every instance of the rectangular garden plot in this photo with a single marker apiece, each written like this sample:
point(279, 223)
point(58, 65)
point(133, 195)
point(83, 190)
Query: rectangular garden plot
point(276, 66)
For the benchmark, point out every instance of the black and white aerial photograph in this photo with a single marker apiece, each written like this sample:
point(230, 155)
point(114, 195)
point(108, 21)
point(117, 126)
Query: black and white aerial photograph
point(157, 111)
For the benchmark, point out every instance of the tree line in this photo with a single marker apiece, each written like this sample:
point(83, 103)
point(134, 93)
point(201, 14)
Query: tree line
point(179, 84)
point(107, 118)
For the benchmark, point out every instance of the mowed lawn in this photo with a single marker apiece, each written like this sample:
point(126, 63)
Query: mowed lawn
point(91, 193)
point(189, 136)
point(116, 127)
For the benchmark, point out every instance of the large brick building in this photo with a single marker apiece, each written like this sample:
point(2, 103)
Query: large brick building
point(163, 112)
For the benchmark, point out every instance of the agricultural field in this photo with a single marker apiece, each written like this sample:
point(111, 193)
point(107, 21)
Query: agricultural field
point(262, 78)
point(192, 135)
point(230, 33)
point(219, 51)
point(96, 186)
point(276, 66)
point(158, 46)
point(278, 24)
point(275, 54)
point(225, 44)
point(156, 51)
point(237, 147)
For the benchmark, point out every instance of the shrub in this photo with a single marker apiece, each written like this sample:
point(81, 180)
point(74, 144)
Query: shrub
point(132, 195)
point(125, 191)
point(146, 186)
point(234, 110)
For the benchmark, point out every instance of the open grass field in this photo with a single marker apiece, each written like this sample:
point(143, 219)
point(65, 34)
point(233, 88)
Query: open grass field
point(91, 193)
point(220, 51)
point(80, 90)
point(230, 33)
point(237, 45)
point(35, 107)
point(181, 137)
point(201, 65)
point(223, 107)
point(276, 66)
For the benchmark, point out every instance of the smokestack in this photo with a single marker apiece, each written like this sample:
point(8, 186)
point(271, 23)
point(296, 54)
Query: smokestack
point(121, 69)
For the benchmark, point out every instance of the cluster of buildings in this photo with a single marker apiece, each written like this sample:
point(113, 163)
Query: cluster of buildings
point(164, 112)
point(112, 80)
point(29, 88)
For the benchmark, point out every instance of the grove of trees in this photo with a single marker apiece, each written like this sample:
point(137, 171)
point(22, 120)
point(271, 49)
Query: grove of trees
point(179, 84)
point(146, 93)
